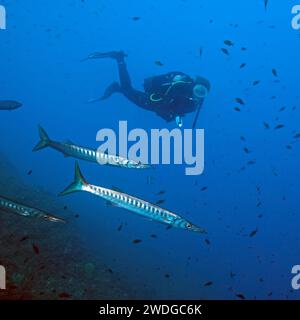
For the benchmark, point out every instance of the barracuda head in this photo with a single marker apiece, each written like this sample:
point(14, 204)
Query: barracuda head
point(54, 219)
point(191, 227)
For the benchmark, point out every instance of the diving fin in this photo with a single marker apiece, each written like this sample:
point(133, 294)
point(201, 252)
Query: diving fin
point(109, 91)
point(118, 55)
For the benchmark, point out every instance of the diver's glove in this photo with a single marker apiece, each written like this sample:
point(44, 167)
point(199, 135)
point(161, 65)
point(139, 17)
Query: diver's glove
point(179, 121)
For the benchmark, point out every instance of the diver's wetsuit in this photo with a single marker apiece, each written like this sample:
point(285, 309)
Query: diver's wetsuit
point(162, 95)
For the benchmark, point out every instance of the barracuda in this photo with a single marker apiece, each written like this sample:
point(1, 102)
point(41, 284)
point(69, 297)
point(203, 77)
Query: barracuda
point(69, 149)
point(133, 204)
point(25, 211)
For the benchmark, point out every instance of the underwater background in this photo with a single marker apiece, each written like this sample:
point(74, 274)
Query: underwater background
point(247, 198)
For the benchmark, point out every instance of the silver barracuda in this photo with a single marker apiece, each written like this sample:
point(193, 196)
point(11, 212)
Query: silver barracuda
point(133, 204)
point(26, 211)
point(70, 149)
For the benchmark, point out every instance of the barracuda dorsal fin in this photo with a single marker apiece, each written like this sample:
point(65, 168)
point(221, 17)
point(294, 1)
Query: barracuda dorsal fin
point(68, 141)
point(77, 184)
point(117, 189)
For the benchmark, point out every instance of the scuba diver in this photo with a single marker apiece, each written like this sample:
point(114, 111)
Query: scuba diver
point(170, 95)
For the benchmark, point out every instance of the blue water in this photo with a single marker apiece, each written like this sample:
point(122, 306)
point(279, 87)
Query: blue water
point(40, 54)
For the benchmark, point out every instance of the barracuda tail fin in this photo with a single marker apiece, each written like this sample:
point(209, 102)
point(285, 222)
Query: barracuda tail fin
point(44, 140)
point(77, 184)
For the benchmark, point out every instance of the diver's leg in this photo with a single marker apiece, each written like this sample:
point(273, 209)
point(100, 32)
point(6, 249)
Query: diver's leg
point(139, 98)
point(125, 80)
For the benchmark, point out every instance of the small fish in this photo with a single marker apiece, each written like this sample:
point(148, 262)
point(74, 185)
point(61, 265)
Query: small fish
point(207, 242)
point(251, 162)
point(297, 135)
point(136, 241)
point(228, 43)
point(159, 63)
point(161, 192)
point(120, 227)
point(279, 126)
point(253, 233)
point(201, 52)
point(258, 204)
point(243, 49)
point(136, 18)
point(237, 109)
point(208, 284)
point(266, 3)
point(225, 51)
point(160, 201)
point(246, 150)
point(69, 149)
point(243, 65)
point(36, 249)
point(76, 216)
point(240, 101)
point(29, 172)
point(240, 296)
point(24, 238)
point(281, 109)
point(204, 188)
point(167, 276)
point(9, 105)
point(154, 236)
point(255, 83)
point(109, 270)
point(266, 125)
point(289, 147)
point(243, 138)
point(232, 275)
point(275, 73)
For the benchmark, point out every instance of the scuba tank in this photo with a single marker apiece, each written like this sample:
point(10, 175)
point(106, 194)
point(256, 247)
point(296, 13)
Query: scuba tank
point(160, 88)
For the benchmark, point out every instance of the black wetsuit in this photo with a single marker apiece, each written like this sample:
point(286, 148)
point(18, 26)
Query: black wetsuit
point(162, 95)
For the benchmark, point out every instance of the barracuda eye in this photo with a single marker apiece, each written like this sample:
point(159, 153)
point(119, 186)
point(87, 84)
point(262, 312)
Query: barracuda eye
point(188, 225)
